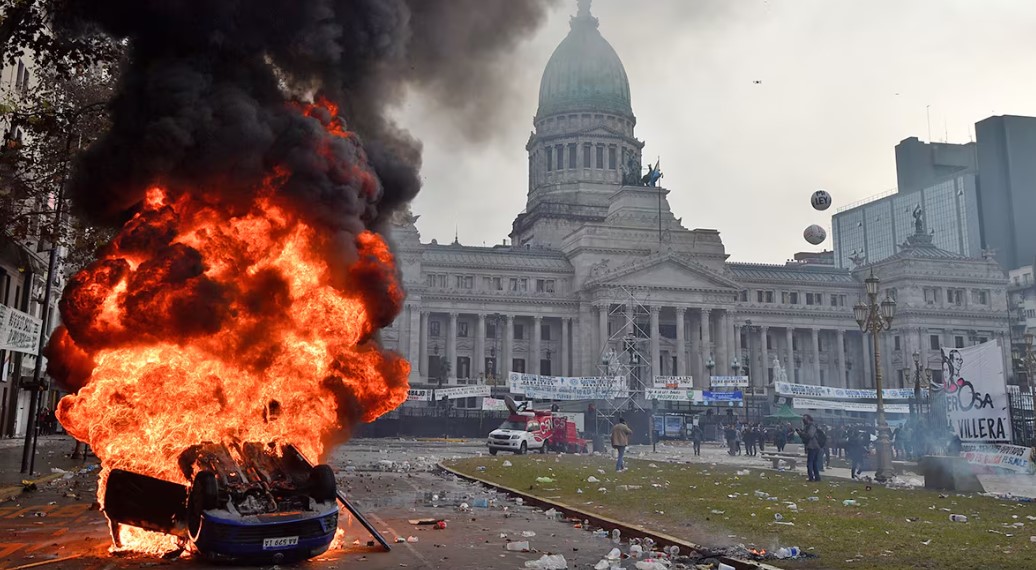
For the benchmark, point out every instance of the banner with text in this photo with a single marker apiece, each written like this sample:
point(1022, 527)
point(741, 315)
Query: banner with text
point(19, 332)
point(976, 392)
point(811, 404)
point(537, 387)
point(809, 391)
point(715, 397)
point(1014, 458)
point(463, 392)
point(674, 382)
point(667, 395)
point(729, 381)
point(494, 405)
point(419, 395)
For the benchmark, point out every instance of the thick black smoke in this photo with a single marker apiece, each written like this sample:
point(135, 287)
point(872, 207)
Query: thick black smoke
point(204, 100)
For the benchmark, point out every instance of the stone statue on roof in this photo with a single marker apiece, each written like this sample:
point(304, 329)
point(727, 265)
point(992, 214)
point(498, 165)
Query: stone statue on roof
point(919, 221)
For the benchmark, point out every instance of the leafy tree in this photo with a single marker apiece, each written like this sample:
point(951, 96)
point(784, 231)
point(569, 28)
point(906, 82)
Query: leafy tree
point(54, 34)
point(46, 127)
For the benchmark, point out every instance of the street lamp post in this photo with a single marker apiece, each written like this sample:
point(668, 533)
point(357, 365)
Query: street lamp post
point(710, 364)
point(875, 318)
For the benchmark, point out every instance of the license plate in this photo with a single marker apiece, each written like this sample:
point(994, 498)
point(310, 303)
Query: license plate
point(282, 542)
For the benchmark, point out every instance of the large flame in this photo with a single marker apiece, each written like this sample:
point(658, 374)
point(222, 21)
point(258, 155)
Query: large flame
point(206, 321)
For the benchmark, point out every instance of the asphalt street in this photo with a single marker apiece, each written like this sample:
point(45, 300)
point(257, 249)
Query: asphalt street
point(59, 526)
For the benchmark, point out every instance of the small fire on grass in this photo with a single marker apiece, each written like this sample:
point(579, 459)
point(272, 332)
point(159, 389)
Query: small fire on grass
point(213, 319)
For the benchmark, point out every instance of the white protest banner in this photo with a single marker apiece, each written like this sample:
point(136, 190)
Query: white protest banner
point(674, 382)
point(812, 404)
point(462, 392)
point(19, 332)
point(809, 391)
point(1009, 457)
point(419, 395)
point(538, 387)
point(728, 381)
point(494, 405)
point(666, 395)
point(976, 392)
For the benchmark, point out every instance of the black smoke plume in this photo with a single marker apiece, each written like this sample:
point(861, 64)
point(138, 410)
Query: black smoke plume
point(204, 102)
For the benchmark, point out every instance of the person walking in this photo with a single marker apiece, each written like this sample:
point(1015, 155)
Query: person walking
point(730, 434)
point(808, 435)
point(854, 448)
point(780, 439)
point(620, 440)
point(696, 438)
point(760, 439)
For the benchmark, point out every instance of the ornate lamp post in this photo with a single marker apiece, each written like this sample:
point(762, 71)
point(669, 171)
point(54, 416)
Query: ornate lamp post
point(875, 318)
point(710, 364)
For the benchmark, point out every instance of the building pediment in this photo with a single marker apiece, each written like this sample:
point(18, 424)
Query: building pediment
point(661, 271)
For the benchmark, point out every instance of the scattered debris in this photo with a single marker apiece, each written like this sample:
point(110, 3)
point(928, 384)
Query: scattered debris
point(548, 562)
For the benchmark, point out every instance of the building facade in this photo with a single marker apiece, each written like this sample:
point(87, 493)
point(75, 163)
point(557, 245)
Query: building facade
point(598, 261)
point(1007, 175)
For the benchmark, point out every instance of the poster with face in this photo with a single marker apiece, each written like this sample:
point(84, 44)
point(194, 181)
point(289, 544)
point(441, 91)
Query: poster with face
point(975, 391)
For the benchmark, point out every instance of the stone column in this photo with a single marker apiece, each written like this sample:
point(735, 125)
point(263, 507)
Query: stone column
point(694, 359)
point(722, 351)
point(681, 343)
point(480, 347)
point(738, 349)
point(451, 346)
point(656, 350)
point(815, 337)
point(764, 376)
point(565, 356)
point(534, 357)
point(506, 367)
point(706, 345)
point(840, 368)
point(422, 351)
point(789, 364)
point(602, 331)
point(414, 352)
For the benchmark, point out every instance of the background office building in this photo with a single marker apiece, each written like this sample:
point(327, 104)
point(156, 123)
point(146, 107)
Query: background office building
point(978, 197)
point(875, 229)
point(1007, 188)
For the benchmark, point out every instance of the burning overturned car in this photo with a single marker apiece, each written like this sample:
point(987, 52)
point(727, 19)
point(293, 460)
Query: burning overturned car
point(245, 503)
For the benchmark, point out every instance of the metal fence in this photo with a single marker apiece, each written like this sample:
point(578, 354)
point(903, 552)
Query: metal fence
point(1022, 418)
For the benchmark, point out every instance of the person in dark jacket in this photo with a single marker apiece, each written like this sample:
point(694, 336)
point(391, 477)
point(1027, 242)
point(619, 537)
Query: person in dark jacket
point(780, 439)
point(808, 435)
point(696, 438)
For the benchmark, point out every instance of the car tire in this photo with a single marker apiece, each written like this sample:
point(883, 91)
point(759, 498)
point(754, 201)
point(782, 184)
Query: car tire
point(543, 448)
point(204, 496)
point(323, 487)
point(492, 452)
point(523, 449)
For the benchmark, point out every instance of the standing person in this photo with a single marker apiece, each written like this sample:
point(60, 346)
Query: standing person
point(731, 435)
point(739, 438)
point(696, 438)
point(854, 448)
point(780, 439)
point(808, 435)
point(620, 439)
point(760, 439)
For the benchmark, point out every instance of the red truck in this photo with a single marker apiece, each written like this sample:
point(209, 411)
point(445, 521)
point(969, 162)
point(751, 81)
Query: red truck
point(540, 430)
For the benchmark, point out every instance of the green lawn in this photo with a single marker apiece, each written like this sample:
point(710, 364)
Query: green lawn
point(713, 506)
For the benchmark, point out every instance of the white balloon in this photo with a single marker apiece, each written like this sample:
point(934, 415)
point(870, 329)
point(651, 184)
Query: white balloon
point(821, 200)
point(815, 234)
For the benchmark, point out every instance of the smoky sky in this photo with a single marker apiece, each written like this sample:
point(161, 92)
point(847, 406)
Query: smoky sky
point(841, 83)
point(203, 103)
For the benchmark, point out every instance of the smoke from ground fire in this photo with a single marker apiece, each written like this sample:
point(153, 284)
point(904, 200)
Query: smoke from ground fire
point(202, 97)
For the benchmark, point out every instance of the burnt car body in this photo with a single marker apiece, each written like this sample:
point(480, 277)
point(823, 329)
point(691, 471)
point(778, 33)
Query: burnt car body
point(249, 503)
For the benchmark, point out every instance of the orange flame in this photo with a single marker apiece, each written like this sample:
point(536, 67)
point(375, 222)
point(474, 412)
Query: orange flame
point(206, 322)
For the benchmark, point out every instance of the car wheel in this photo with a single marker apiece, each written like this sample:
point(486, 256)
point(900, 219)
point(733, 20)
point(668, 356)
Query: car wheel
point(492, 452)
point(543, 448)
point(323, 487)
point(522, 449)
point(204, 496)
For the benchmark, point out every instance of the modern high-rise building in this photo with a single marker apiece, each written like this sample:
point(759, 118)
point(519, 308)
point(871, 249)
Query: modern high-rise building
point(920, 165)
point(876, 229)
point(1007, 188)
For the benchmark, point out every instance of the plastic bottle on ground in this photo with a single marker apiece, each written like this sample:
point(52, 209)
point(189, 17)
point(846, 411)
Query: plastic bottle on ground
point(616, 536)
point(959, 518)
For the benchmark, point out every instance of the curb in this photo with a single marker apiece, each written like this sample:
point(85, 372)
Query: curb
point(628, 530)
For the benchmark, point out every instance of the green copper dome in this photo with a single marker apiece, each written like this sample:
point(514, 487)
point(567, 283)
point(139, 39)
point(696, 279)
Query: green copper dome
point(585, 74)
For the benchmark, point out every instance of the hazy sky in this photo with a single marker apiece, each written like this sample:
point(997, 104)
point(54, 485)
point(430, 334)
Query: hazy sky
point(842, 82)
